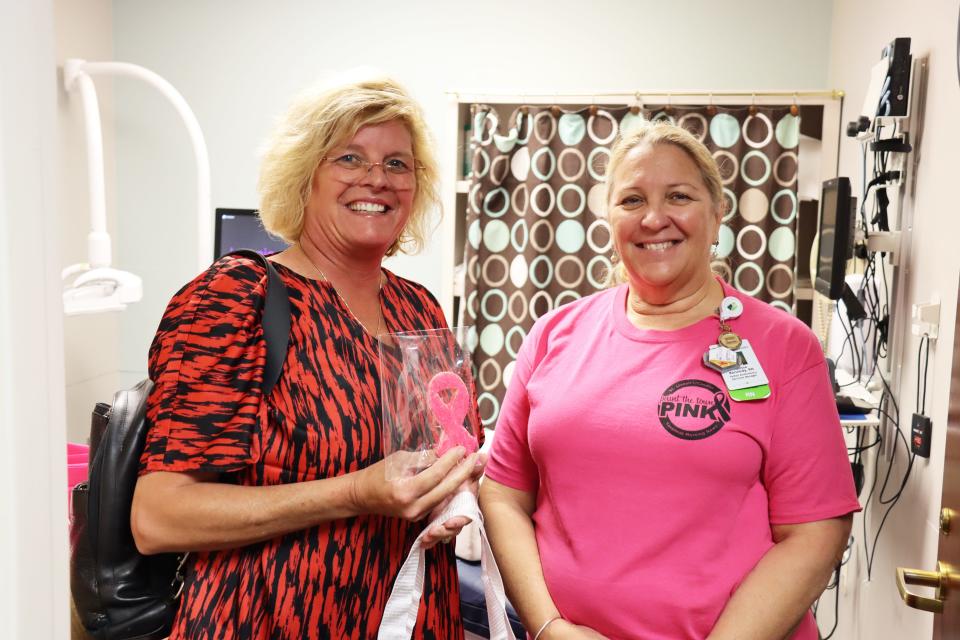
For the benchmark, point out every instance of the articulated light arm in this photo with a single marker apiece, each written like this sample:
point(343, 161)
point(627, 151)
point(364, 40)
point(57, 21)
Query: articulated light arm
point(100, 281)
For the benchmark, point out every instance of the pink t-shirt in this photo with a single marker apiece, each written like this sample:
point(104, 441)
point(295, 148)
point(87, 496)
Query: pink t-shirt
point(654, 491)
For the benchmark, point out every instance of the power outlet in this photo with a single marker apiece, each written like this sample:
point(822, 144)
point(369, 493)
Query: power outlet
point(925, 319)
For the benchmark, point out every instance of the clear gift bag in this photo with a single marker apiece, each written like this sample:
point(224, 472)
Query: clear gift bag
point(427, 394)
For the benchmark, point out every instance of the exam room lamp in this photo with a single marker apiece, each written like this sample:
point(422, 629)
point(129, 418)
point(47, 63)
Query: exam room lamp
point(99, 287)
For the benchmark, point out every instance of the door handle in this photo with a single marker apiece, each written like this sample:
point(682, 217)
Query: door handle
point(942, 579)
point(946, 520)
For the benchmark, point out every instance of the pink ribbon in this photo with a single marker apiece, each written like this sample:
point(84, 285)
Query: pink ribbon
point(451, 415)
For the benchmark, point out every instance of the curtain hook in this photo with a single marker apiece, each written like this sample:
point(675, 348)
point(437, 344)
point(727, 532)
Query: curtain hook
point(794, 109)
point(753, 105)
point(669, 108)
point(635, 107)
point(555, 109)
point(593, 105)
point(711, 108)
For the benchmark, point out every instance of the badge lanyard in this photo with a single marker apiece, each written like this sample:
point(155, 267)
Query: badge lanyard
point(734, 358)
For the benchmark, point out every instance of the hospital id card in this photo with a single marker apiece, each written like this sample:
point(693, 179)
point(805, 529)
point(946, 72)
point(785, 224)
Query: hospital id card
point(747, 381)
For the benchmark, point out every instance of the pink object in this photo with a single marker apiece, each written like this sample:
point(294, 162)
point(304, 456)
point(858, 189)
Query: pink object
point(77, 461)
point(74, 448)
point(76, 473)
point(651, 489)
point(77, 467)
point(451, 415)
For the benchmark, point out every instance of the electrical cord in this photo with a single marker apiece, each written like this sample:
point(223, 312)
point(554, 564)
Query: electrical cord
point(865, 344)
point(887, 398)
point(875, 344)
point(833, 585)
point(922, 403)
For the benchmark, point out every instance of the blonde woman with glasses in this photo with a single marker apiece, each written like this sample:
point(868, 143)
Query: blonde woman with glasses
point(283, 499)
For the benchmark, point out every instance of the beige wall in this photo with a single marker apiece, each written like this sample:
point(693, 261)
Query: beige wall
point(873, 610)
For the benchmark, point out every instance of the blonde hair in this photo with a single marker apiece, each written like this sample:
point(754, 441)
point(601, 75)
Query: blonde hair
point(654, 134)
point(323, 117)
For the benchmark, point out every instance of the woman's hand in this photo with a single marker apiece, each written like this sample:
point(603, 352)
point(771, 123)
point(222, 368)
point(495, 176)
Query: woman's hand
point(414, 497)
point(447, 531)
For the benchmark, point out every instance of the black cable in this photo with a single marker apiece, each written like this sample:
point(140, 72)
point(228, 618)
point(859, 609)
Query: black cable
point(883, 521)
point(835, 585)
point(893, 500)
point(851, 338)
point(922, 401)
point(868, 342)
point(858, 451)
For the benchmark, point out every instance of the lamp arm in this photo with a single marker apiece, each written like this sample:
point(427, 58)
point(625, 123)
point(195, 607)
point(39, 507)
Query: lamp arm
point(98, 241)
point(79, 71)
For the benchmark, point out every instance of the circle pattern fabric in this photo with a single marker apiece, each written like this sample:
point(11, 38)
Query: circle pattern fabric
point(537, 231)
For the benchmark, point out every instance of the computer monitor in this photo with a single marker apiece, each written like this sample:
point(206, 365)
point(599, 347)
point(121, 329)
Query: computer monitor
point(241, 229)
point(837, 215)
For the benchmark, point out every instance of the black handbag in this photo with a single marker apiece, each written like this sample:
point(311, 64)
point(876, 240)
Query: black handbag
point(119, 593)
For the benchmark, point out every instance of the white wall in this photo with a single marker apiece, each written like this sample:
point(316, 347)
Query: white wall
point(860, 29)
point(33, 509)
point(239, 62)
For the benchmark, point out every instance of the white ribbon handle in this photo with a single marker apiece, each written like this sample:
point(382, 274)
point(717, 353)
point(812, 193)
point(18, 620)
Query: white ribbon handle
point(400, 615)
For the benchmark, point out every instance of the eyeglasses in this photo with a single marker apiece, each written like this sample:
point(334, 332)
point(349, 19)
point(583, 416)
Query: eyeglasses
point(400, 171)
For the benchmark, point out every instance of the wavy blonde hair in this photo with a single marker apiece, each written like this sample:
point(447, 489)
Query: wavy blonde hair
point(324, 117)
point(653, 134)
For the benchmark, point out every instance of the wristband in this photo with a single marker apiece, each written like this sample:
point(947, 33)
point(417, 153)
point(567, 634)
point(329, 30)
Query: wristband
point(545, 625)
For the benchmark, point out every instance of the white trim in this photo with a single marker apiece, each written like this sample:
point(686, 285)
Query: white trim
point(653, 97)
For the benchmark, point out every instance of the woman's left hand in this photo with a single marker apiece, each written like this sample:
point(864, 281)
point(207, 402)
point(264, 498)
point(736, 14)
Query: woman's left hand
point(448, 530)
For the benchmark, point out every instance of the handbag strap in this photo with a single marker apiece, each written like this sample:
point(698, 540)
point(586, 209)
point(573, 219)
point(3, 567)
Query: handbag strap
point(400, 614)
point(276, 333)
point(275, 321)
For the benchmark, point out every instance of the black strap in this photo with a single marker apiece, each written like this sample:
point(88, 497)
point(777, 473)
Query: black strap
point(276, 321)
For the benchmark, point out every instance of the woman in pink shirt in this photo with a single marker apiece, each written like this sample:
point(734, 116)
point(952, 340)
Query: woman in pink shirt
point(635, 491)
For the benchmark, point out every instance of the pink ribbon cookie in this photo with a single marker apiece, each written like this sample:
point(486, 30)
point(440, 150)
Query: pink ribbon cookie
point(450, 415)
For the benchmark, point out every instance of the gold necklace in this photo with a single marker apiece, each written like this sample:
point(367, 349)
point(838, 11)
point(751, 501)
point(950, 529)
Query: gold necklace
point(344, 300)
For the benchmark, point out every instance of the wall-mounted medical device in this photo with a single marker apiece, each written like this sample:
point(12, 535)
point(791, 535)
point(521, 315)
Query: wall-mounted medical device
point(888, 92)
point(96, 286)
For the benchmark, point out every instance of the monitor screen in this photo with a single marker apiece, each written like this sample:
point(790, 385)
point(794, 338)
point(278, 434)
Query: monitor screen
point(241, 229)
point(835, 236)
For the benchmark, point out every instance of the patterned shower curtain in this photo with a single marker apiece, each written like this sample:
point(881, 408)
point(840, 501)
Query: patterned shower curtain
point(537, 233)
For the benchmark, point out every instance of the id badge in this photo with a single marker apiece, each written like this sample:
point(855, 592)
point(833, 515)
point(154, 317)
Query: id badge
point(747, 381)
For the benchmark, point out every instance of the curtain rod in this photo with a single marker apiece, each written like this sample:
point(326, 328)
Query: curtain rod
point(832, 94)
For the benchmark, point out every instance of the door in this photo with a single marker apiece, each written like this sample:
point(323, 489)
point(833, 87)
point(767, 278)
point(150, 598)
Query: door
point(945, 579)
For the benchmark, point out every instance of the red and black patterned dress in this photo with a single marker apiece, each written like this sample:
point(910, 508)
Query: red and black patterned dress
point(322, 419)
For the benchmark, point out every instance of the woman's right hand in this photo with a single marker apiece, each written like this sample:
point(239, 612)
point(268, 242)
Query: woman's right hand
point(414, 497)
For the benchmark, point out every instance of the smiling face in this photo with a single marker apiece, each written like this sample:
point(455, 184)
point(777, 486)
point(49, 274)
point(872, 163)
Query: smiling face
point(663, 221)
point(362, 211)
